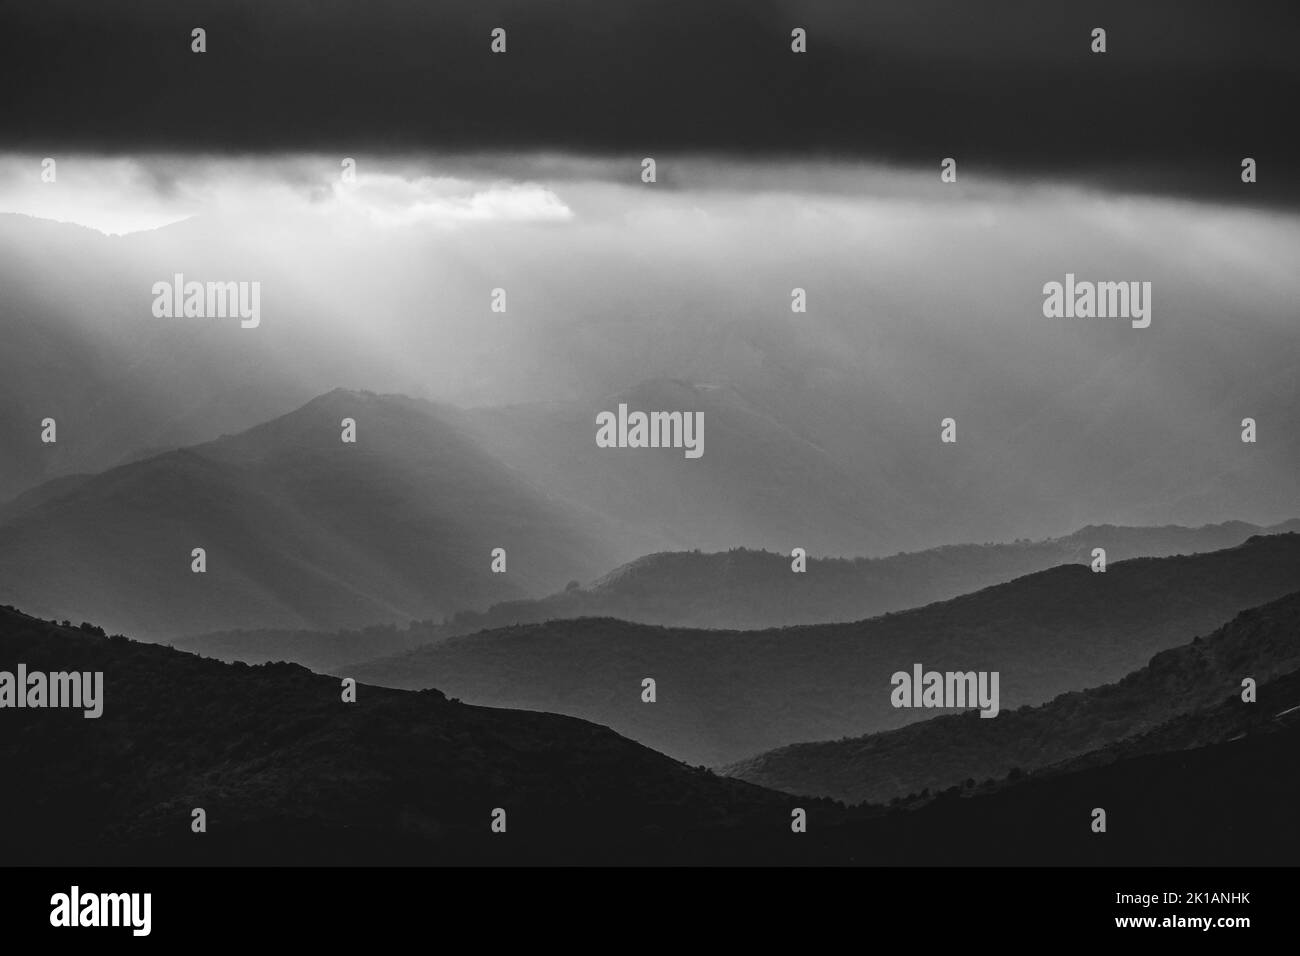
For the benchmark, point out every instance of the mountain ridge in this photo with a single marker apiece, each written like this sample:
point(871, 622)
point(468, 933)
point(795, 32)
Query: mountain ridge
point(300, 528)
point(719, 691)
point(288, 774)
point(741, 589)
point(1260, 643)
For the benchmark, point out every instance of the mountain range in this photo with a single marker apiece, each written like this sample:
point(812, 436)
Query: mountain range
point(300, 529)
point(287, 773)
point(308, 533)
point(1262, 644)
point(725, 695)
point(740, 590)
point(822, 429)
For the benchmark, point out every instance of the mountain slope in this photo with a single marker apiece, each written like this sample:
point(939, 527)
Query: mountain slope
point(725, 695)
point(289, 774)
point(1262, 643)
point(282, 766)
point(1226, 804)
point(300, 529)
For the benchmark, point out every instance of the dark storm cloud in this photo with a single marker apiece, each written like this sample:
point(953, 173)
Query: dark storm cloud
point(1187, 88)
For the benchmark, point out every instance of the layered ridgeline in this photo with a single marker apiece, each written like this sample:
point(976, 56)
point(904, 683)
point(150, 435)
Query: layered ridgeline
point(299, 529)
point(725, 695)
point(741, 590)
point(285, 772)
point(744, 590)
point(1261, 644)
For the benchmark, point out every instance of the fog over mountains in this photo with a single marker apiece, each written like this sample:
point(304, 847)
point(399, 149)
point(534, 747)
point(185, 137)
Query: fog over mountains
point(821, 427)
point(304, 531)
point(743, 589)
point(726, 695)
point(295, 534)
point(1262, 644)
point(738, 589)
point(363, 578)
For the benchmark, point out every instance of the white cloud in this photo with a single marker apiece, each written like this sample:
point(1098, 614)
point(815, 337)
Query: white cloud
point(390, 199)
point(118, 195)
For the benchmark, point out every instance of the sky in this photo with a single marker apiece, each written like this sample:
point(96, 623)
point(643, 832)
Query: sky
point(612, 280)
point(1185, 89)
point(775, 170)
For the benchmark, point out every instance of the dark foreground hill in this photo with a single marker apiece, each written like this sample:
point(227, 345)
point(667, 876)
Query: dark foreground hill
point(725, 695)
point(1262, 644)
point(289, 774)
point(278, 762)
point(1227, 804)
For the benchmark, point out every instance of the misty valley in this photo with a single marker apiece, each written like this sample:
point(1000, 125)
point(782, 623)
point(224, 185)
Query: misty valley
point(356, 508)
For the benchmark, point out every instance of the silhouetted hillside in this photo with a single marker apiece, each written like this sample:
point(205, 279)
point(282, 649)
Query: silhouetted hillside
point(273, 754)
point(1262, 643)
point(1229, 804)
point(725, 695)
point(300, 529)
point(288, 773)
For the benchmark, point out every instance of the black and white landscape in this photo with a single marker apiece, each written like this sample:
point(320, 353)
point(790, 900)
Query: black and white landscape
point(649, 433)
